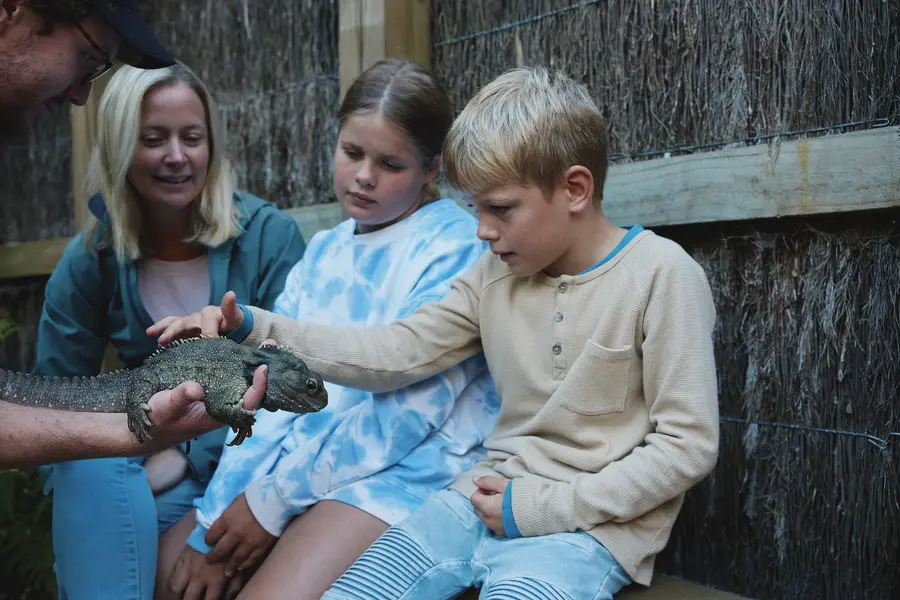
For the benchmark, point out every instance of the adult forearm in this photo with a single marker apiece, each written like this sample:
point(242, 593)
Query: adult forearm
point(34, 436)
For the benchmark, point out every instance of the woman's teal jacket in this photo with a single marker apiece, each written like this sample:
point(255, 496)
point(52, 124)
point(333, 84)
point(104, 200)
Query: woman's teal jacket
point(92, 300)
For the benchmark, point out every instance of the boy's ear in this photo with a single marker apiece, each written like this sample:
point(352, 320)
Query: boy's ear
point(579, 185)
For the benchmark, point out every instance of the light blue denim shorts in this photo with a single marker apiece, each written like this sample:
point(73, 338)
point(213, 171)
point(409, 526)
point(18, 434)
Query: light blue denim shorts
point(444, 548)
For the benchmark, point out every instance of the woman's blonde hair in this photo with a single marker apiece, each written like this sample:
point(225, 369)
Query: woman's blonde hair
point(214, 217)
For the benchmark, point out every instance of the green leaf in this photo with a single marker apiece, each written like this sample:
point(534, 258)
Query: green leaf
point(26, 548)
point(8, 326)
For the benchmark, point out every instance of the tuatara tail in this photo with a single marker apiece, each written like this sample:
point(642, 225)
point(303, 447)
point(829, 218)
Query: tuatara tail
point(104, 393)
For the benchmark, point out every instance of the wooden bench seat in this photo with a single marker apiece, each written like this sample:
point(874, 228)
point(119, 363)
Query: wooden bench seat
point(663, 588)
point(669, 588)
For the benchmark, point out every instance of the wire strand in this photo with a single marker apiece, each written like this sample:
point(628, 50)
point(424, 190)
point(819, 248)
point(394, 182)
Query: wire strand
point(881, 444)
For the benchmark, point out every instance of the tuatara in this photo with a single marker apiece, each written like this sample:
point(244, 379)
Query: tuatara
point(224, 368)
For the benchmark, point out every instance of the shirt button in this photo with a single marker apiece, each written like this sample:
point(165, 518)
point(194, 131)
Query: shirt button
point(557, 317)
point(557, 348)
point(562, 287)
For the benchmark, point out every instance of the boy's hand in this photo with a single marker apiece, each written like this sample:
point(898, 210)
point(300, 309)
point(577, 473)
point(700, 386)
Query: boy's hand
point(488, 501)
point(196, 578)
point(238, 530)
point(212, 321)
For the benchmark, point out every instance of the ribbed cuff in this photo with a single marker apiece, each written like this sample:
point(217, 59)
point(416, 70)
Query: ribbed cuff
point(240, 334)
point(262, 325)
point(528, 515)
point(509, 520)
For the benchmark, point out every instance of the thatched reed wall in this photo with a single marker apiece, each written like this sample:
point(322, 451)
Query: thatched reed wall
point(35, 204)
point(22, 301)
point(35, 183)
point(687, 72)
point(804, 502)
point(808, 330)
point(273, 68)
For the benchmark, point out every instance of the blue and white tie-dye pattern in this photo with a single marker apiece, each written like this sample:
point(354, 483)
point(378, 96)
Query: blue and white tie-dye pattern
point(384, 453)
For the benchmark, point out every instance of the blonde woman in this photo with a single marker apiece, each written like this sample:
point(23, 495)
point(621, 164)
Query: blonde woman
point(168, 234)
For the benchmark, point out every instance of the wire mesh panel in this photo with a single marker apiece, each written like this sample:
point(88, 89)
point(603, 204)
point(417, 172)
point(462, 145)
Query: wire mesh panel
point(273, 68)
point(676, 73)
point(802, 503)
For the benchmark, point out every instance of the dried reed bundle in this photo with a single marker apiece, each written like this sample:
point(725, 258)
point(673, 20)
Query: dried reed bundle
point(687, 72)
point(805, 498)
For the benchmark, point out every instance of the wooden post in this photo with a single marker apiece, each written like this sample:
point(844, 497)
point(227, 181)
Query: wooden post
point(84, 131)
point(371, 30)
point(349, 42)
point(408, 30)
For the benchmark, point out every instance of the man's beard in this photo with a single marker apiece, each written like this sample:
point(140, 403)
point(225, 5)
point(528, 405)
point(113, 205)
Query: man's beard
point(20, 106)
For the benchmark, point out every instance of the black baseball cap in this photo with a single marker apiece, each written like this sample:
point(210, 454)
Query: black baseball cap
point(140, 47)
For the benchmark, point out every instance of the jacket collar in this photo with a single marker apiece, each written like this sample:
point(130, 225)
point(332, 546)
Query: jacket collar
point(98, 208)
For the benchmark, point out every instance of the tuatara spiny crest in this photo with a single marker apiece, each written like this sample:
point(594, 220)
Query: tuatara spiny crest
point(224, 368)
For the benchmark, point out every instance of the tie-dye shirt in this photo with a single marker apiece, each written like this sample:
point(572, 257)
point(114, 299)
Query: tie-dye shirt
point(381, 452)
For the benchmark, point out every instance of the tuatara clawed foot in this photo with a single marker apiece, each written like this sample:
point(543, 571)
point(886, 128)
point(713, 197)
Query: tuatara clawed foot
point(242, 434)
point(138, 421)
point(238, 418)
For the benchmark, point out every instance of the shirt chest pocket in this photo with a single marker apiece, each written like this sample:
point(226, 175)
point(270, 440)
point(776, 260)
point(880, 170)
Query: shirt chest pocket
point(599, 380)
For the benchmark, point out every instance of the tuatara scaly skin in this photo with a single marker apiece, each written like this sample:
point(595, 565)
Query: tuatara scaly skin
point(224, 368)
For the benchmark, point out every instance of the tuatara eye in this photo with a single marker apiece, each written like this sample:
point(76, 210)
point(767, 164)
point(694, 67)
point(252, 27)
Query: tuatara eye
point(312, 386)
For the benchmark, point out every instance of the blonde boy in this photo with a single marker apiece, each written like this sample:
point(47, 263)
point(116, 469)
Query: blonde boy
point(599, 340)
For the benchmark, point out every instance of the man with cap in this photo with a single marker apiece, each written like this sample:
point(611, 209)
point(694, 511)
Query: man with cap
point(50, 53)
point(53, 49)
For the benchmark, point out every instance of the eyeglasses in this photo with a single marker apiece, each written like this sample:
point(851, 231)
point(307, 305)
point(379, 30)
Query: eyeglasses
point(100, 70)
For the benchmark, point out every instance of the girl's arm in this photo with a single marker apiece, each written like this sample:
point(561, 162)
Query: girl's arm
point(339, 449)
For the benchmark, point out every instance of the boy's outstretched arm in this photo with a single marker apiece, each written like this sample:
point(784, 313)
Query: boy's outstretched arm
point(379, 359)
point(681, 392)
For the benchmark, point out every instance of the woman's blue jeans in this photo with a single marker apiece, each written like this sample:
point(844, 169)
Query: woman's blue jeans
point(106, 527)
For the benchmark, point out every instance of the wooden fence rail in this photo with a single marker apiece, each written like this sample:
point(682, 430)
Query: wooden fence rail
point(831, 174)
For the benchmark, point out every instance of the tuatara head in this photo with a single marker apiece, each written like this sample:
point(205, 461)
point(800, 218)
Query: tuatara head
point(290, 385)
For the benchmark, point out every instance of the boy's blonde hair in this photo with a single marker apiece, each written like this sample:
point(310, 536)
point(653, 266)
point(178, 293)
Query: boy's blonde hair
point(527, 126)
point(214, 217)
